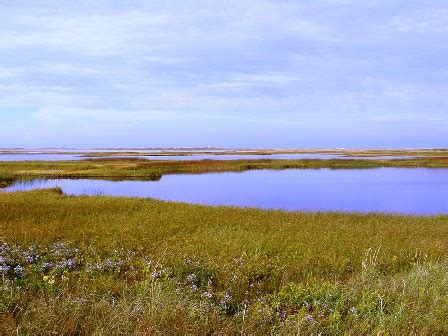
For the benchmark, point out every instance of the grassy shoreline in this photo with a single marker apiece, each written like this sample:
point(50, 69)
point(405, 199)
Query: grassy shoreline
point(105, 265)
point(82, 265)
point(153, 170)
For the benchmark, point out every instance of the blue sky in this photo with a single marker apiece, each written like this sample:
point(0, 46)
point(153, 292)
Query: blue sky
point(226, 73)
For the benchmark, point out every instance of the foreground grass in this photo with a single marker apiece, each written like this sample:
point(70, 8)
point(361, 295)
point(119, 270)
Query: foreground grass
point(82, 265)
point(153, 170)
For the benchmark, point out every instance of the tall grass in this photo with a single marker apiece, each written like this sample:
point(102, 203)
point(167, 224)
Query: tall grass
point(82, 265)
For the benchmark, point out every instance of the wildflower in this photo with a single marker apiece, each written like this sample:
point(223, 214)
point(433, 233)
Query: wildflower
point(4, 269)
point(46, 266)
point(31, 257)
point(353, 311)
point(309, 318)
point(224, 302)
point(109, 264)
point(155, 274)
point(49, 279)
point(98, 267)
point(283, 315)
point(67, 264)
point(191, 277)
point(227, 296)
point(18, 270)
point(327, 307)
point(223, 305)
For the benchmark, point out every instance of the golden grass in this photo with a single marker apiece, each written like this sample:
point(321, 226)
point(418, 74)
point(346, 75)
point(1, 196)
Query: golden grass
point(153, 170)
point(218, 269)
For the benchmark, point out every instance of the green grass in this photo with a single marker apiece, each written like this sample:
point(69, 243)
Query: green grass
point(153, 170)
point(123, 265)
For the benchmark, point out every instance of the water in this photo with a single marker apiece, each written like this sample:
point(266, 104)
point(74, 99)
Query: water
point(238, 157)
point(393, 190)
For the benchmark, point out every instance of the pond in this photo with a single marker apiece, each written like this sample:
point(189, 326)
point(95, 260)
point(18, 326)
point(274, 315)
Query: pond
point(419, 191)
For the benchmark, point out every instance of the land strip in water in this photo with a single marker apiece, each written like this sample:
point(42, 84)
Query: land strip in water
point(221, 151)
point(141, 169)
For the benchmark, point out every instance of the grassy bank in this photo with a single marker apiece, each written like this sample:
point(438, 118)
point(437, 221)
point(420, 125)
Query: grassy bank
point(82, 265)
point(440, 153)
point(153, 170)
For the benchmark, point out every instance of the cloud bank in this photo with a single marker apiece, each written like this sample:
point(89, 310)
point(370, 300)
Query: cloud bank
point(235, 73)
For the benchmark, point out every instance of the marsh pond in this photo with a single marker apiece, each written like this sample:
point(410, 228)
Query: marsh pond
point(418, 191)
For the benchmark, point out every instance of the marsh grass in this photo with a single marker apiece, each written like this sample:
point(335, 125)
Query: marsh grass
point(104, 265)
point(6, 180)
point(434, 152)
point(141, 169)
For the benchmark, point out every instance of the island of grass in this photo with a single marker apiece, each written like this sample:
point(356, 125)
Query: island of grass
point(102, 265)
point(141, 169)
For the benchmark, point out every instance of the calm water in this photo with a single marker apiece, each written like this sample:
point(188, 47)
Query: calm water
point(239, 157)
point(61, 157)
point(411, 191)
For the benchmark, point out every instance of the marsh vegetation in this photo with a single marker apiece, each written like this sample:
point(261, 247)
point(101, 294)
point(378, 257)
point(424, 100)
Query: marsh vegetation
point(140, 169)
point(83, 265)
point(80, 265)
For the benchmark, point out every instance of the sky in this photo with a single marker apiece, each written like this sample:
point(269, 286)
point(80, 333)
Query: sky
point(303, 74)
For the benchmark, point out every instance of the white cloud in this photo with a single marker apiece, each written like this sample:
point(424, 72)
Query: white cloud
point(245, 60)
point(6, 73)
point(156, 28)
point(423, 21)
point(415, 118)
point(259, 79)
point(66, 68)
point(35, 96)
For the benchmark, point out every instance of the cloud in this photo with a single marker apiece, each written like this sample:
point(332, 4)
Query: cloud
point(260, 79)
point(325, 62)
point(423, 21)
point(155, 28)
point(6, 73)
point(405, 119)
point(66, 69)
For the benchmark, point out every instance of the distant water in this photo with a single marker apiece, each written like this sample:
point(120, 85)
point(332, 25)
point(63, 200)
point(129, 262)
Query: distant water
point(63, 157)
point(393, 190)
